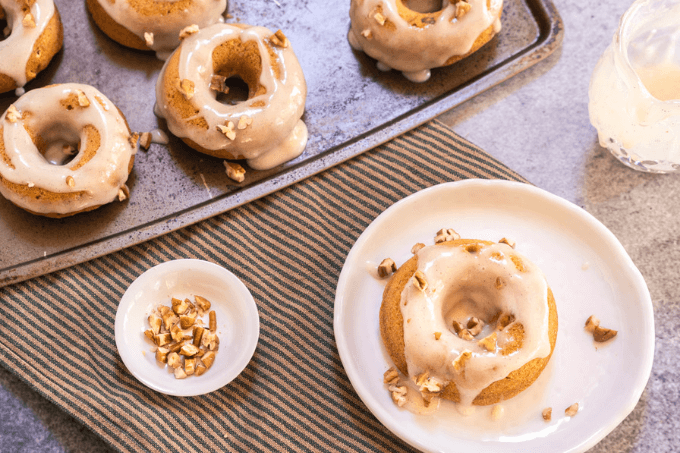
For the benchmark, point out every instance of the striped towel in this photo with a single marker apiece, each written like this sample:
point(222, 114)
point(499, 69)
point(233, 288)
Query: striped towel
point(57, 331)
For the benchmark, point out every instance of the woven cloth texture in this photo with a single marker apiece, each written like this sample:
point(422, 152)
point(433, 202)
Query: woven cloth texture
point(57, 331)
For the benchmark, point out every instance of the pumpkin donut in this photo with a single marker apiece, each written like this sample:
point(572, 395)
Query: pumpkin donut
point(470, 321)
point(414, 42)
point(35, 35)
point(153, 24)
point(43, 129)
point(266, 128)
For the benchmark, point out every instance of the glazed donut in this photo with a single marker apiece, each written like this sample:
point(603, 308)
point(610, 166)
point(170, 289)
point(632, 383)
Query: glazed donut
point(439, 290)
point(415, 42)
point(265, 129)
point(42, 129)
point(153, 24)
point(35, 36)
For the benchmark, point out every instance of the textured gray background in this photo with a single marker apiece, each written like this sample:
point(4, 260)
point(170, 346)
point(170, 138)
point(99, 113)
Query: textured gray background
point(537, 123)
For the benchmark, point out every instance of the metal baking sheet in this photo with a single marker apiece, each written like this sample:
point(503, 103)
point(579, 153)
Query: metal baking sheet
point(351, 107)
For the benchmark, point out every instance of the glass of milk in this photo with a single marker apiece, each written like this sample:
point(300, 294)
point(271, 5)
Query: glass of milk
point(635, 88)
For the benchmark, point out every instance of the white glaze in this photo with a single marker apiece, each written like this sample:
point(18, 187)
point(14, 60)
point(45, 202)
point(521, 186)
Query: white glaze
point(160, 137)
point(414, 50)
point(276, 133)
point(166, 28)
point(462, 285)
point(662, 80)
point(101, 177)
point(16, 50)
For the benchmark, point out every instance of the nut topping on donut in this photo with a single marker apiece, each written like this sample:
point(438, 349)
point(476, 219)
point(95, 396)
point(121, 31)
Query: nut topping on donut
point(380, 18)
point(475, 325)
point(134, 138)
point(123, 193)
point(148, 39)
point(368, 34)
point(419, 281)
point(507, 241)
point(70, 181)
point(12, 114)
point(499, 283)
point(386, 267)
point(219, 83)
point(457, 326)
point(445, 235)
point(489, 343)
point(417, 247)
point(244, 122)
point(188, 31)
point(437, 335)
point(505, 320)
point(28, 21)
point(466, 335)
point(227, 130)
point(459, 363)
point(462, 8)
point(186, 87)
point(279, 39)
point(83, 101)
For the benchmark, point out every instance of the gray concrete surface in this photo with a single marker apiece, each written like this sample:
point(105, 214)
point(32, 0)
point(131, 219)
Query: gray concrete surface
point(537, 123)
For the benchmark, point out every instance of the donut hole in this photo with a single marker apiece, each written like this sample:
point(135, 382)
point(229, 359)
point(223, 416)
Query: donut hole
point(425, 6)
point(465, 302)
point(5, 30)
point(238, 91)
point(240, 63)
point(59, 144)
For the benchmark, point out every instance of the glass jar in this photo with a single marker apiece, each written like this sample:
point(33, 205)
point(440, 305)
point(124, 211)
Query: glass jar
point(634, 94)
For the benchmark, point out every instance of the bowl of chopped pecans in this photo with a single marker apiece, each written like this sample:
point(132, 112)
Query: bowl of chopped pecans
point(186, 327)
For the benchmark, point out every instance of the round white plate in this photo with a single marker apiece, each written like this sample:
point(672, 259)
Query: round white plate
point(590, 274)
point(238, 324)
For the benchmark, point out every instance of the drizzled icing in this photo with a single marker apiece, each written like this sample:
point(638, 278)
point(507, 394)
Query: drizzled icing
point(100, 178)
point(413, 50)
point(276, 133)
point(17, 48)
point(461, 285)
point(165, 28)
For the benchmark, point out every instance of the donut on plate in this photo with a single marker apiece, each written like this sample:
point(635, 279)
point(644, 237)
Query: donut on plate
point(34, 34)
point(153, 24)
point(470, 321)
point(266, 128)
point(414, 36)
point(64, 149)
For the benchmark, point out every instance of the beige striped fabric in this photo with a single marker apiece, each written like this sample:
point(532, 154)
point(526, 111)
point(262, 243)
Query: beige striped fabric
point(57, 334)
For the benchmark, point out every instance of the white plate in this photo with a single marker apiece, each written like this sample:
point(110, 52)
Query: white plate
point(238, 324)
point(589, 273)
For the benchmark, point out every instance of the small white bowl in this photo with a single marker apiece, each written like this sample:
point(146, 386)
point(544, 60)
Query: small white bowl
point(238, 324)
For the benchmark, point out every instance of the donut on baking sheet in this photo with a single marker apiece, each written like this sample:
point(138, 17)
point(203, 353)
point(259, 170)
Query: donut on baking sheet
point(153, 24)
point(266, 128)
point(414, 36)
point(64, 149)
point(428, 306)
point(33, 35)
